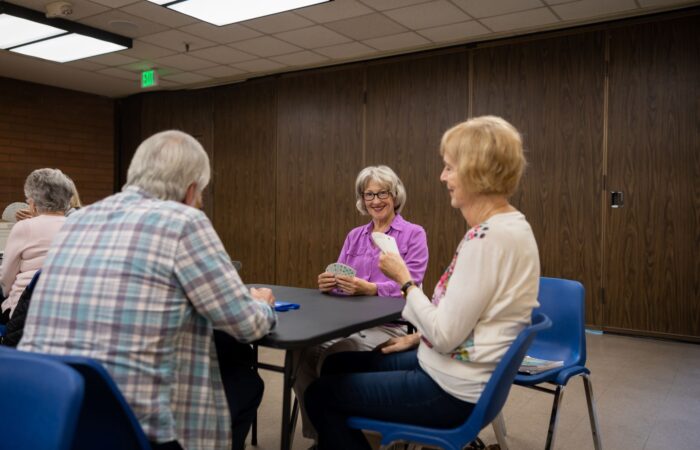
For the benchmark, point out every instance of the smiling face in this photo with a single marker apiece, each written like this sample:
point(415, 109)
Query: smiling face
point(450, 176)
point(381, 210)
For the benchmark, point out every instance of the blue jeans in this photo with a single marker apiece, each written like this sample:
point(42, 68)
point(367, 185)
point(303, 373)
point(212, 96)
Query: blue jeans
point(386, 387)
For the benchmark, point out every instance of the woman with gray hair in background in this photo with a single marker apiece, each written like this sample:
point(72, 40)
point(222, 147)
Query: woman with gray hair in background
point(48, 193)
point(379, 193)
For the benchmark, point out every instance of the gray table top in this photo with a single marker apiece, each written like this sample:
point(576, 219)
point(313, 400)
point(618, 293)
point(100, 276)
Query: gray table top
point(322, 317)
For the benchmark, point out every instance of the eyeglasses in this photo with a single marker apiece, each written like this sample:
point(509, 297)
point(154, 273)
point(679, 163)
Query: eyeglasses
point(381, 195)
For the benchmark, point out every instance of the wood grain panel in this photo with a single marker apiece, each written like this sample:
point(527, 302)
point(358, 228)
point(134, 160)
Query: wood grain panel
point(244, 142)
point(552, 92)
point(319, 153)
point(409, 106)
point(188, 111)
point(653, 280)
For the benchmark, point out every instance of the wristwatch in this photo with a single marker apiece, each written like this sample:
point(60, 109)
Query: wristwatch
point(406, 285)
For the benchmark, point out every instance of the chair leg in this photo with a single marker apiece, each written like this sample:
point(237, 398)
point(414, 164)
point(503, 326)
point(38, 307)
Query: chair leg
point(499, 428)
point(558, 395)
point(595, 429)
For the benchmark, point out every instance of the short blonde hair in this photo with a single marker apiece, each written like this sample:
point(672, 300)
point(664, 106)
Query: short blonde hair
point(387, 178)
point(489, 155)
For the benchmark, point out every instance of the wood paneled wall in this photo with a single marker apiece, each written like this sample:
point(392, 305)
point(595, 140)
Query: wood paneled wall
point(551, 90)
point(653, 242)
point(616, 102)
point(42, 126)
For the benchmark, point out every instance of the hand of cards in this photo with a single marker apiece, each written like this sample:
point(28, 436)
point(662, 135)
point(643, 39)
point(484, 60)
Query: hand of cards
point(386, 243)
point(341, 269)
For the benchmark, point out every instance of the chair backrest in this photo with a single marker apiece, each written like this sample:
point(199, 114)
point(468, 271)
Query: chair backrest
point(106, 420)
point(496, 391)
point(563, 301)
point(41, 401)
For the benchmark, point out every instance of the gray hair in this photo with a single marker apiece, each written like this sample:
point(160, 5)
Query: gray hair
point(387, 178)
point(167, 163)
point(49, 189)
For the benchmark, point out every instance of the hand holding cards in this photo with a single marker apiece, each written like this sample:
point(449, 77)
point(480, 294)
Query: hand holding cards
point(341, 269)
point(386, 243)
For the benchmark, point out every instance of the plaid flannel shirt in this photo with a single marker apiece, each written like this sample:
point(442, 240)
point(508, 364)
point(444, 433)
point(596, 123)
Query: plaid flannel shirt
point(139, 284)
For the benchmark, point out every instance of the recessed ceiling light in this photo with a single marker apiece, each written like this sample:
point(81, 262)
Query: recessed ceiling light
point(219, 12)
point(16, 31)
point(68, 47)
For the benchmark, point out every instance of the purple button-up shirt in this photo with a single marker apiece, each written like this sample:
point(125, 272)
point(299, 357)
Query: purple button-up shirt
point(360, 253)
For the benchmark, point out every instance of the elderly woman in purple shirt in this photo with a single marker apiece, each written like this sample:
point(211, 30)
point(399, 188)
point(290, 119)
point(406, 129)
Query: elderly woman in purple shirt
point(380, 194)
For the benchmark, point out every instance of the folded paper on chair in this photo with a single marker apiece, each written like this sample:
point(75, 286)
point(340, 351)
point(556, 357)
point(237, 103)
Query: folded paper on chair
point(532, 365)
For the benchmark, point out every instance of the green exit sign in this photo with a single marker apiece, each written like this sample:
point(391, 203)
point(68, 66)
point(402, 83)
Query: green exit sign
point(149, 78)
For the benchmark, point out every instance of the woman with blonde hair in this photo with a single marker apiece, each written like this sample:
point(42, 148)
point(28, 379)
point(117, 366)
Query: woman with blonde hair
point(481, 303)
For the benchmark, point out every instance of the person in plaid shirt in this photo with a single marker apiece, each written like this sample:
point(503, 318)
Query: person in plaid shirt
point(138, 281)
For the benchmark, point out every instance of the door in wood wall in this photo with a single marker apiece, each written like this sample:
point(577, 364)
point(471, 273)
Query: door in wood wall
point(552, 91)
point(410, 104)
point(652, 275)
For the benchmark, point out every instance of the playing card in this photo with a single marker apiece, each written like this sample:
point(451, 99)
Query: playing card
point(386, 243)
point(341, 269)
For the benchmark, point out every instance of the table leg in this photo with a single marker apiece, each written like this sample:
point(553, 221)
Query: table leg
point(286, 443)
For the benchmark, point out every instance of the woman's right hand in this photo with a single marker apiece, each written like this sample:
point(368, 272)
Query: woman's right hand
point(326, 282)
point(399, 344)
point(22, 214)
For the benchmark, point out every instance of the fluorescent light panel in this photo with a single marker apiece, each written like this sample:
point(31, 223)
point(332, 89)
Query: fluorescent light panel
point(220, 12)
point(68, 48)
point(17, 31)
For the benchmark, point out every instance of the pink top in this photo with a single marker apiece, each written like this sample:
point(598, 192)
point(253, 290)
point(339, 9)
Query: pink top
point(26, 248)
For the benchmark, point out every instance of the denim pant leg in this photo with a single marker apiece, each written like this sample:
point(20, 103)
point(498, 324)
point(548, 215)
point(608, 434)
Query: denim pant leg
point(386, 387)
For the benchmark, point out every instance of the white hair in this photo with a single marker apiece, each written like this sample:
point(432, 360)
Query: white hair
point(386, 178)
point(49, 189)
point(167, 163)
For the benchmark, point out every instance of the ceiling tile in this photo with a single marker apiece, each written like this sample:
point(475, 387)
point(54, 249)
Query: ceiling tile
point(428, 15)
point(115, 3)
point(278, 22)
point(184, 62)
point(220, 71)
point(119, 22)
point(143, 50)
point(455, 32)
point(480, 8)
point(265, 46)
point(222, 35)
point(85, 65)
point(653, 3)
point(367, 27)
point(344, 51)
point(556, 2)
point(524, 19)
point(592, 8)
point(81, 8)
point(397, 41)
point(313, 37)
point(112, 59)
point(175, 40)
point(188, 77)
point(259, 65)
point(159, 14)
point(140, 66)
point(335, 10)
point(382, 5)
point(120, 73)
point(300, 59)
point(222, 54)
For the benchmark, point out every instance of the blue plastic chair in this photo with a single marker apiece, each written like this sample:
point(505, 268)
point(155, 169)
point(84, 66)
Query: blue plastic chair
point(487, 408)
point(106, 420)
point(41, 401)
point(563, 302)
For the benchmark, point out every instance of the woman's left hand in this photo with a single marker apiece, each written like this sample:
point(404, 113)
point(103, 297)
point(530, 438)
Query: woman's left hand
point(355, 286)
point(394, 267)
